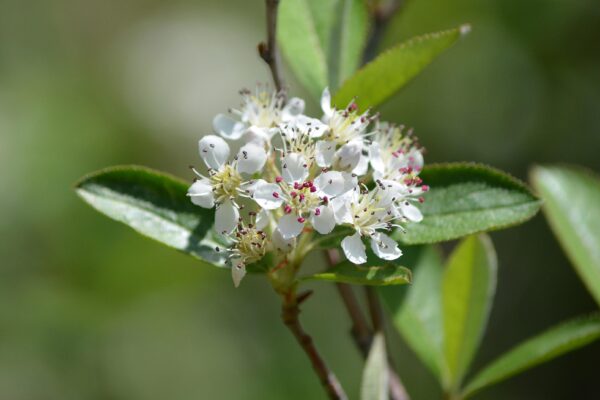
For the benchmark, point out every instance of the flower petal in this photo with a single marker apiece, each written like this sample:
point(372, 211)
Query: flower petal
point(311, 126)
point(267, 195)
point(280, 243)
point(385, 247)
point(324, 153)
point(257, 135)
point(294, 168)
point(348, 156)
point(325, 221)
point(251, 158)
point(289, 226)
point(375, 158)
point(362, 167)
point(293, 109)
point(262, 219)
point(411, 212)
point(326, 104)
point(238, 271)
point(228, 127)
point(330, 183)
point(226, 217)
point(354, 249)
point(201, 193)
point(214, 151)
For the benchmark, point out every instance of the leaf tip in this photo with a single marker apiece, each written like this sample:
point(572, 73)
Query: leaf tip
point(464, 29)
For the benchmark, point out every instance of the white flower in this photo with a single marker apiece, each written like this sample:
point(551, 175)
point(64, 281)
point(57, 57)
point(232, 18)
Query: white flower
point(250, 245)
point(343, 146)
point(259, 115)
point(302, 200)
point(368, 212)
point(393, 154)
point(225, 182)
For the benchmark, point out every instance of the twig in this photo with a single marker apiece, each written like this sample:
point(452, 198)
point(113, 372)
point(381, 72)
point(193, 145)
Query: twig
point(382, 14)
point(268, 50)
point(361, 332)
point(289, 313)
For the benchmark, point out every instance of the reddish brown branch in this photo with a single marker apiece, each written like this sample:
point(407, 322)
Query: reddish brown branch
point(268, 50)
point(289, 313)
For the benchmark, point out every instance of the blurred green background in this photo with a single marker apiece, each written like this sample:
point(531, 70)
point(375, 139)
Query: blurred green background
point(90, 310)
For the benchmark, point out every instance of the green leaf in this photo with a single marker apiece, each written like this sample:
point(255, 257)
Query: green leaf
point(540, 349)
point(304, 31)
point(375, 377)
point(391, 70)
point(348, 40)
point(572, 206)
point(418, 316)
point(155, 205)
point(346, 272)
point(468, 288)
point(468, 198)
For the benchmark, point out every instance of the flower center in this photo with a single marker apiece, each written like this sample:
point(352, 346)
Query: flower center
point(250, 244)
point(225, 183)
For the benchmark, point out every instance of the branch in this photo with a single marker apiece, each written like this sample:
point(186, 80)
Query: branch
point(382, 13)
point(361, 332)
point(268, 51)
point(289, 313)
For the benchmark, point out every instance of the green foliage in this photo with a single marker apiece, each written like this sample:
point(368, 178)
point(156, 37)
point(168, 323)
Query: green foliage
point(572, 206)
point(468, 198)
point(418, 316)
point(468, 288)
point(391, 70)
point(346, 272)
point(155, 205)
point(322, 39)
point(374, 385)
point(543, 347)
point(348, 41)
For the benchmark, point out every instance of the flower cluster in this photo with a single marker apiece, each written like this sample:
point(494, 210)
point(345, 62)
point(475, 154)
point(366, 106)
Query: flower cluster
point(301, 175)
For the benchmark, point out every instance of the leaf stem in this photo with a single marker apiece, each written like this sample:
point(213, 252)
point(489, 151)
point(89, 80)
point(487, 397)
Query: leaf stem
point(290, 312)
point(268, 50)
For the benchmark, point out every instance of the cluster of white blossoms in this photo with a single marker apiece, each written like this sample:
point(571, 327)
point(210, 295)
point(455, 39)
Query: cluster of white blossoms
point(299, 175)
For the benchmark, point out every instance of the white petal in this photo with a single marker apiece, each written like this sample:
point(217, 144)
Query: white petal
point(289, 226)
point(311, 126)
point(415, 159)
point(350, 181)
point(228, 127)
point(293, 108)
point(411, 212)
point(262, 219)
point(330, 183)
point(385, 247)
point(214, 151)
point(326, 103)
point(354, 249)
point(362, 166)
point(238, 271)
point(341, 208)
point(348, 156)
point(294, 168)
point(324, 153)
point(267, 195)
point(389, 191)
point(226, 217)
point(375, 158)
point(251, 158)
point(201, 193)
point(325, 221)
point(280, 243)
point(257, 135)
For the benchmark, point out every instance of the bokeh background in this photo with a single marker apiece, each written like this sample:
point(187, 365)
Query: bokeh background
point(90, 310)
